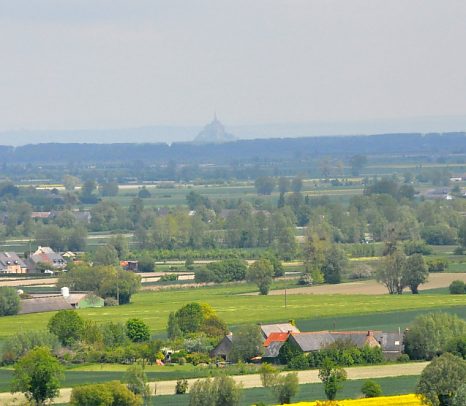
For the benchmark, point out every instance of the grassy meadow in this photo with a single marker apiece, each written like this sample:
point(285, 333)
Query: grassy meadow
point(307, 392)
point(154, 307)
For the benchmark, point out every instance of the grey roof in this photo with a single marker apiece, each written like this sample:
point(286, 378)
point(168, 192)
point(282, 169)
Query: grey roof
point(391, 342)
point(10, 258)
point(267, 329)
point(43, 304)
point(49, 256)
point(273, 349)
point(312, 341)
point(224, 347)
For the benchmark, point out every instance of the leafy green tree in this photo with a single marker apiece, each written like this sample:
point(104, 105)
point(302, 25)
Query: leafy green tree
point(144, 193)
point(120, 243)
point(460, 396)
point(391, 272)
point(285, 387)
point(190, 318)
point(70, 182)
point(430, 334)
point(106, 255)
point(264, 185)
point(114, 334)
point(357, 162)
point(119, 284)
point(261, 273)
point(67, 325)
point(415, 272)
point(228, 391)
point(268, 374)
point(136, 381)
point(441, 379)
point(334, 265)
point(462, 234)
point(37, 374)
point(87, 194)
point(146, 263)
point(214, 326)
point(108, 188)
point(284, 185)
point(297, 184)
point(19, 344)
point(137, 331)
point(50, 235)
point(247, 343)
point(332, 377)
point(173, 328)
point(371, 389)
point(9, 301)
point(202, 393)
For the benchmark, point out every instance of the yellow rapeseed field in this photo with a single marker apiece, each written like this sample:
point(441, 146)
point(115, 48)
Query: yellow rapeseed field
point(404, 400)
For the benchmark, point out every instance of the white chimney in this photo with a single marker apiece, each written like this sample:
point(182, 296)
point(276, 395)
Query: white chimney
point(65, 291)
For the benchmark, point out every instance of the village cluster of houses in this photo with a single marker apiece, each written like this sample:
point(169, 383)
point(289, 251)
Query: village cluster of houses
point(277, 334)
point(43, 259)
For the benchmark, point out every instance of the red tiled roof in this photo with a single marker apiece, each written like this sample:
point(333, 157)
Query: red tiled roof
point(277, 337)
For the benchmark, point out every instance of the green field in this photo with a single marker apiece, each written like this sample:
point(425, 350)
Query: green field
point(154, 307)
point(307, 392)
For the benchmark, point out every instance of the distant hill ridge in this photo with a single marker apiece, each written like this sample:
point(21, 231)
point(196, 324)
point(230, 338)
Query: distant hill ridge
point(276, 148)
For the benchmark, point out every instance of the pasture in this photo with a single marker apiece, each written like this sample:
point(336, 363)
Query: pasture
point(307, 392)
point(235, 308)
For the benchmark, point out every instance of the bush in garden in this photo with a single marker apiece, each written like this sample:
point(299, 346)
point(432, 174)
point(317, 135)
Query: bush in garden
point(457, 287)
point(181, 386)
point(371, 389)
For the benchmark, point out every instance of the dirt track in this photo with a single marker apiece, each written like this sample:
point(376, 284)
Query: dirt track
point(368, 287)
point(253, 381)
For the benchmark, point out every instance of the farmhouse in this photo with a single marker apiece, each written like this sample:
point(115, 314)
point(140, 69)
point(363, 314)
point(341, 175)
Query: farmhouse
point(10, 262)
point(267, 329)
point(48, 302)
point(46, 256)
point(223, 348)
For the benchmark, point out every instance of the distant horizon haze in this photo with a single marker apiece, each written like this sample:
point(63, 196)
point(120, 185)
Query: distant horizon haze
point(186, 133)
point(267, 67)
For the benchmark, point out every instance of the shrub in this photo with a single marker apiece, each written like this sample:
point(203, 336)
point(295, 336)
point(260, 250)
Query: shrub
point(403, 358)
point(181, 387)
point(285, 387)
point(9, 301)
point(416, 247)
point(222, 391)
point(305, 279)
point(110, 393)
point(299, 362)
point(438, 265)
point(19, 344)
point(371, 389)
point(110, 301)
point(457, 287)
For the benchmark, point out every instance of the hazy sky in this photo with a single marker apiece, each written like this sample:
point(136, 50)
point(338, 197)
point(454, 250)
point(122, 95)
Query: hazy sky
point(70, 64)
